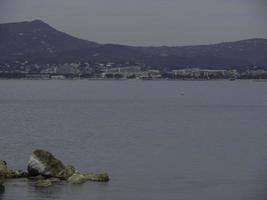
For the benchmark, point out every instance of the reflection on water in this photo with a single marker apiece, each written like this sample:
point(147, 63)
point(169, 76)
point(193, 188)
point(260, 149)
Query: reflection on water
point(44, 193)
point(2, 190)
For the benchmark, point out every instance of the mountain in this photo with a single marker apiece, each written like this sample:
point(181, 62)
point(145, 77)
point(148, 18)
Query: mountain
point(37, 42)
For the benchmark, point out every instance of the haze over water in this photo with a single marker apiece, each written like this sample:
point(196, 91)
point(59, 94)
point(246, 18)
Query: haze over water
point(155, 143)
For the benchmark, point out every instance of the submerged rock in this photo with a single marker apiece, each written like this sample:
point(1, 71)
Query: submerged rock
point(54, 180)
point(36, 178)
point(44, 163)
point(43, 183)
point(100, 177)
point(77, 179)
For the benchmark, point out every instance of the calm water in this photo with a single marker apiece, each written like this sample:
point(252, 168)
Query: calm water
point(210, 144)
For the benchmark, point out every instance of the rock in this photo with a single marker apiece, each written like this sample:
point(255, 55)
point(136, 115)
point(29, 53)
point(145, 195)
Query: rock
point(43, 183)
point(66, 173)
point(4, 171)
point(20, 174)
point(100, 177)
point(54, 180)
point(3, 165)
point(44, 163)
point(77, 179)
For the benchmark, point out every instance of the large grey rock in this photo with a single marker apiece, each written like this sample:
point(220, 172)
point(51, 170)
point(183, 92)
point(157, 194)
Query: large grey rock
point(44, 163)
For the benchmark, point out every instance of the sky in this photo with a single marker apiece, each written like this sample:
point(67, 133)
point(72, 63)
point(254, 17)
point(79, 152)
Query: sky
point(146, 22)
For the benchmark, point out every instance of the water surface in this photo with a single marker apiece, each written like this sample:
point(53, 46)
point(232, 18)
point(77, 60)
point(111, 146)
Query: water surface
point(210, 143)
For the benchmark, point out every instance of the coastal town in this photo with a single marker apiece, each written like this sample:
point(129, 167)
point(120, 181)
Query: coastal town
point(122, 71)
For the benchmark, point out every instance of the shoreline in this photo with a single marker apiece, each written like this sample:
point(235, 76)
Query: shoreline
point(145, 80)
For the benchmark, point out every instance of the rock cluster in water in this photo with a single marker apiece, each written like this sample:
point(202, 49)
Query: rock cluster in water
point(46, 169)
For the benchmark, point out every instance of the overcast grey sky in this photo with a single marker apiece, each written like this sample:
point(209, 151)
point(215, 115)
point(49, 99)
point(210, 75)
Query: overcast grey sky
point(146, 22)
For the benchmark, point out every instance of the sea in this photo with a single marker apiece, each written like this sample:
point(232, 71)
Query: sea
point(158, 140)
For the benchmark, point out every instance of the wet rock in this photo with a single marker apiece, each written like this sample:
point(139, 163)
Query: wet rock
point(4, 171)
point(99, 177)
point(54, 180)
point(44, 163)
point(3, 165)
point(46, 169)
point(20, 174)
point(43, 183)
point(77, 179)
point(66, 173)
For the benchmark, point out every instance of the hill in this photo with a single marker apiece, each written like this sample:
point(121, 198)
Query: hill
point(37, 42)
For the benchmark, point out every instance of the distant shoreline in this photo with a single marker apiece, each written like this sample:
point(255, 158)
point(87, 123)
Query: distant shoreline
point(143, 80)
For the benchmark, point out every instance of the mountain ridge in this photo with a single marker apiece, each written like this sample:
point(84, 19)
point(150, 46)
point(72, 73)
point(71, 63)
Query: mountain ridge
point(38, 42)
